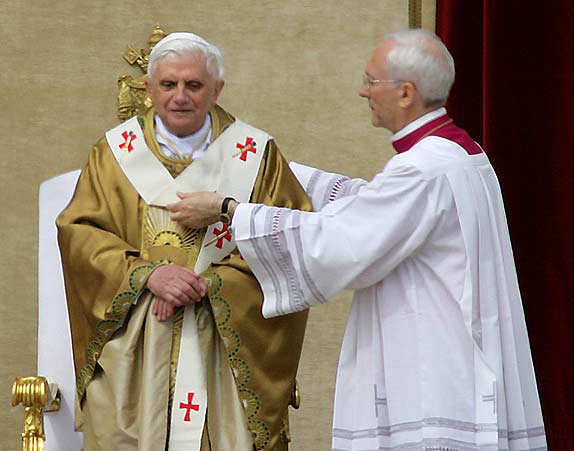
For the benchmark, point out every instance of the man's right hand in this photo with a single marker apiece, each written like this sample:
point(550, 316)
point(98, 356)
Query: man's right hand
point(174, 286)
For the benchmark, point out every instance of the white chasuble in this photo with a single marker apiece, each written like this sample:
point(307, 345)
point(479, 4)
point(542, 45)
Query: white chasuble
point(435, 354)
point(229, 166)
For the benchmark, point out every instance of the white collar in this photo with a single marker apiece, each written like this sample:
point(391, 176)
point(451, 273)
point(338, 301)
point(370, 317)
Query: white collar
point(197, 142)
point(417, 123)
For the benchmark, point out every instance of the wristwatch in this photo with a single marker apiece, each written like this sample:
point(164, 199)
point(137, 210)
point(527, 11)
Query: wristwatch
point(224, 213)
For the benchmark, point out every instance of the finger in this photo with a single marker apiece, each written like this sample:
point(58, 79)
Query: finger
point(163, 311)
point(183, 195)
point(177, 216)
point(194, 291)
point(183, 297)
point(182, 218)
point(169, 309)
point(175, 206)
point(197, 283)
point(199, 286)
point(160, 305)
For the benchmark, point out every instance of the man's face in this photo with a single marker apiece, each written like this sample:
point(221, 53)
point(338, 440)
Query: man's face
point(182, 92)
point(383, 97)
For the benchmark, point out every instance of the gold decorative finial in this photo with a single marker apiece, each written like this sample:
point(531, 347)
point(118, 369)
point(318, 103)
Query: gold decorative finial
point(132, 98)
point(37, 396)
point(141, 57)
point(156, 35)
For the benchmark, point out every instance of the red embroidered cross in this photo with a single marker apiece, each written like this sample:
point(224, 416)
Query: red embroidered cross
point(189, 406)
point(129, 137)
point(249, 146)
point(222, 234)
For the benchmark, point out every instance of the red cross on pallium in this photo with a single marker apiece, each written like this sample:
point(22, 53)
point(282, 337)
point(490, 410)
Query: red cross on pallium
point(223, 234)
point(189, 406)
point(129, 138)
point(249, 146)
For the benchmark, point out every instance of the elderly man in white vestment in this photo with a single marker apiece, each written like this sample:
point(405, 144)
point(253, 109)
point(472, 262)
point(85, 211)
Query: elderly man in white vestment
point(435, 355)
point(170, 346)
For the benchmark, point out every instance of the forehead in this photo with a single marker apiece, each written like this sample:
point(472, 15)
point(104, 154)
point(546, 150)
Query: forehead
point(181, 65)
point(377, 63)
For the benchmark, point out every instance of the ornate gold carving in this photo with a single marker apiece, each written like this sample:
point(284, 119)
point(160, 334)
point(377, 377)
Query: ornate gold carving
point(132, 98)
point(37, 396)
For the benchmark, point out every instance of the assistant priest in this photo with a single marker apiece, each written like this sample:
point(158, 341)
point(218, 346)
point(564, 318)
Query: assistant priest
point(435, 355)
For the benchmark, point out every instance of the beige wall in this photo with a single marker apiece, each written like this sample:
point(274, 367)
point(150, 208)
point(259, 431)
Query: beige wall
point(293, 68)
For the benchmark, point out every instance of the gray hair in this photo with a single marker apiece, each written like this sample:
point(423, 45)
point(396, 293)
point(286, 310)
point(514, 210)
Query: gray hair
point(186, 43)
point(420, 57)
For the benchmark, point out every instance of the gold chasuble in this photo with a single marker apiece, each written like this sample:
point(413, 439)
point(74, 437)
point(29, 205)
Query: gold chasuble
point(126, 360)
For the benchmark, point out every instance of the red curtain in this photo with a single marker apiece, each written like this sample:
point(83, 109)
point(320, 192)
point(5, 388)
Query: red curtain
point(514, 91)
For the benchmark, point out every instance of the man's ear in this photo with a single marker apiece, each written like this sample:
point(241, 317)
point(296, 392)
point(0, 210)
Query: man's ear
point(408, 93)
point(218, 87)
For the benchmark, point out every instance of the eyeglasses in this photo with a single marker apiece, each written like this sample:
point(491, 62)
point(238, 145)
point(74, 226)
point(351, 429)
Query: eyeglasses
point(369, 82)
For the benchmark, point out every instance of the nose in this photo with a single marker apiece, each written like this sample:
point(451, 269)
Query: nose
point(180, 95)
point(364, 90)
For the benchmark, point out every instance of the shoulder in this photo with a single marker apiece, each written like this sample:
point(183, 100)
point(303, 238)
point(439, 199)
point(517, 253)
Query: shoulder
point(222, 119)
point(432, 156)
point(101, 160)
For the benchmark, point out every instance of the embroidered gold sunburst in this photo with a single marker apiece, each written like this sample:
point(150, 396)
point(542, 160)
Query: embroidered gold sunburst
point(168, 238)
point(159, 231)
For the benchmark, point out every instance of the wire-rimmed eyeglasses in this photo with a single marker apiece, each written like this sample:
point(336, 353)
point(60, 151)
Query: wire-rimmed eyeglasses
point(369, 82)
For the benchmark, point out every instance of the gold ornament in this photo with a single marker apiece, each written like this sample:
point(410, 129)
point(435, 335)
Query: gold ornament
point(37, 396)
point(132, 98)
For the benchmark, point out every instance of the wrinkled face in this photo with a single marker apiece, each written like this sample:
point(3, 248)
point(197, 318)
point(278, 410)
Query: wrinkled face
point(383, 97)
point(182, 92)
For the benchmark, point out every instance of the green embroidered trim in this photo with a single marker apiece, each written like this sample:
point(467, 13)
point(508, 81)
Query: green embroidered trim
point(214, 283)
point(104, 329)
point(250, 402)
point(232, 341)
point(240, 371)
point(138, 277)
point(84, 377)
point(119, 306)
point(113, 320)
point(260, 433)
point(221, 310)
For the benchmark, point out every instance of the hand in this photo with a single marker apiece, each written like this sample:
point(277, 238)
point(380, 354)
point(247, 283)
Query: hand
point(162, 309)
point(174, 286)
point(196, 210)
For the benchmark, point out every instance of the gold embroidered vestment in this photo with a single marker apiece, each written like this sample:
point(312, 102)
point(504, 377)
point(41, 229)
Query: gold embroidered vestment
point(111, 241)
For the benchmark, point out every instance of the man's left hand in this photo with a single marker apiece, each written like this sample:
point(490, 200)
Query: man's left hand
point(196, 210)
